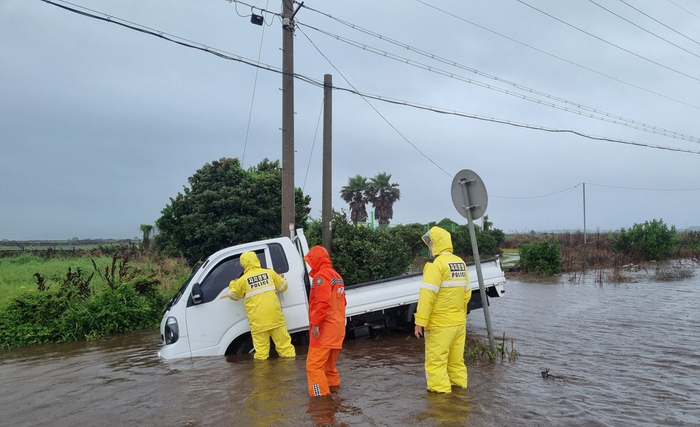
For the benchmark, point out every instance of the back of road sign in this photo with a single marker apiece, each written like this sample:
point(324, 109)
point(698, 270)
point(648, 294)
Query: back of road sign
point(478, 198)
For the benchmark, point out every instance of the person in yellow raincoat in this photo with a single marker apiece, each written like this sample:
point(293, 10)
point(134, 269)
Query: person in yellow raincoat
point(259, 286)
point(442, 313)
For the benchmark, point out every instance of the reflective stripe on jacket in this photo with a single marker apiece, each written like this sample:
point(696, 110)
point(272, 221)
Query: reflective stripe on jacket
point(326, 300)
point(445, 291)
point(257, 287)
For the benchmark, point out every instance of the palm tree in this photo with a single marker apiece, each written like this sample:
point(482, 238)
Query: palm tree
point(354, 195)
point(146, 229)
point(383, 194)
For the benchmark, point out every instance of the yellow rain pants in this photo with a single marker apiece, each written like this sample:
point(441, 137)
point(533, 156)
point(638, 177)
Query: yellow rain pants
point(444, 358)
point(283, 343)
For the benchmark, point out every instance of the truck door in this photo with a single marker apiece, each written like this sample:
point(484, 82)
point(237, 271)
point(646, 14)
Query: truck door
point(210, 320)
point(294, 302)
point(216, 321)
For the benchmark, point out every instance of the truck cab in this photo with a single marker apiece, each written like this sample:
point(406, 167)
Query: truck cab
point(201, 320)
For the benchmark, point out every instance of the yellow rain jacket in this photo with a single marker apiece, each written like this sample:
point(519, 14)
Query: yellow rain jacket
point(445, 290)
point(258, 286)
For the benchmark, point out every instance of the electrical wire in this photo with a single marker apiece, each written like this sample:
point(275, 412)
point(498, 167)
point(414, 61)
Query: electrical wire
point(681, 7)
point(594, 114)
point(645, 189)
point(318, 83)
point(236, 8)
point(609, 43)
point(373, 107)
point(262, 11)
point(560, 58)
point(255, 85)
point(644, 29)
point(596, 185)
point(313, 144)
point(536, 197)
point(659, 22)
point(511, 123)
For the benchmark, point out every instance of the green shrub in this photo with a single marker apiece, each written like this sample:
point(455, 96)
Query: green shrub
point(487, 240)
point(72, 310)
point(411, 235)
point(31, 318)
point(541, 258)
point(649, 241)
point(361, 254)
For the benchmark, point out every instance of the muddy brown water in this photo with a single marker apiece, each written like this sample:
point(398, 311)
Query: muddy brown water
point(619, 355)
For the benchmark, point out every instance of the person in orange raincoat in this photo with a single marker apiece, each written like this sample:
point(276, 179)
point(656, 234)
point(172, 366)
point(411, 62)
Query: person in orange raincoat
point(326, 322)
point(259, 287)
point(442, 313)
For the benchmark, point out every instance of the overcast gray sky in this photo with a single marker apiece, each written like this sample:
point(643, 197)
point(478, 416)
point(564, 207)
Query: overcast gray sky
point(100, 124)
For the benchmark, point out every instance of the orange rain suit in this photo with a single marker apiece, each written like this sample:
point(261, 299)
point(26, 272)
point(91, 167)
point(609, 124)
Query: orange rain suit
point(442, 311)
point(327, 312)
point(259, 287)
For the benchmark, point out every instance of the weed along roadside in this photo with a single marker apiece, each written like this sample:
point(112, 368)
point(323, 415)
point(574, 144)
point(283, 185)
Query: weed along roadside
point(651, 246)
point(105, 294)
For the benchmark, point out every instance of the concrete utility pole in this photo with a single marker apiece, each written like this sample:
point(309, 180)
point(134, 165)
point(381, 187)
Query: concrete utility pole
point(287, 117)
point(584, 212)
point(327, 161)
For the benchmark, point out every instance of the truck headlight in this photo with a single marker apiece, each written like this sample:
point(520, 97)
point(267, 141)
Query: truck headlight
point(172, 331)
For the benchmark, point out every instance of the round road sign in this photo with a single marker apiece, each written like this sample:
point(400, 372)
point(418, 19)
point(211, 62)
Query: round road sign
point(468, 190)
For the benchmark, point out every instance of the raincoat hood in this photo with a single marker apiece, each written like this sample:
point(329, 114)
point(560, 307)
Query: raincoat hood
point(441, 238)
point(317, 258)
point(249, 260)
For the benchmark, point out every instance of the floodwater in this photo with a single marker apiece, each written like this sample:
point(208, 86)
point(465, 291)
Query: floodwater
point(617, 355)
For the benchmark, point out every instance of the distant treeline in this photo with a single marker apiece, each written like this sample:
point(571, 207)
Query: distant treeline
point(14, 246)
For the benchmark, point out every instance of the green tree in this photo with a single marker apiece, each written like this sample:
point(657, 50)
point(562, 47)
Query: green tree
point(147, 230)
point(486, 240)
point(383, 194)
point(226, 205)
point(354, 195)
point(648, 241)
point(411, 235)
point(361, 254)
point(541, 258)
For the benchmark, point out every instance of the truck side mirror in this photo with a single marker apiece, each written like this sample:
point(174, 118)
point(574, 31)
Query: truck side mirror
point(197, 295)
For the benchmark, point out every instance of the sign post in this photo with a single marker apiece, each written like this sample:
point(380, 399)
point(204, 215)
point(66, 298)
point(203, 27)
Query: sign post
point(470, 199)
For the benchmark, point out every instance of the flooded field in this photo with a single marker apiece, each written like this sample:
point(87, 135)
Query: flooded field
point(618, 355)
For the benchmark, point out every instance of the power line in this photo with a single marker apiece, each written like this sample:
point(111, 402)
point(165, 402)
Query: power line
point(659, 22)
point(372, 106)
point(262, 11)
point(680, 7)
point(255, 85)
point(645, 189)
point(511, 123)
point(537, 197)
point(609, 43)
point(173, 39)
point(596, 114)
point(596, 185)
point(560, 58)
point(644, 29)
point(313, 144)
point(315, 82)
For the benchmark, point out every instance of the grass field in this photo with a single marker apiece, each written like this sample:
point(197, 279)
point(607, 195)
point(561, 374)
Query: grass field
point(17, 272)
point(43, 247)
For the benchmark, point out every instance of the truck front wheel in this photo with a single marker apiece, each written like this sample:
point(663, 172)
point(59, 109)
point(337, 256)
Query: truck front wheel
point(241, 345)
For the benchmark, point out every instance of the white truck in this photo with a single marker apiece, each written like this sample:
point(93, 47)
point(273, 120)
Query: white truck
point(201, 320)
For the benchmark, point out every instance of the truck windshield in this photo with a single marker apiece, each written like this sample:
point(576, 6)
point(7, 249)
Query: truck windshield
point(179, 293)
